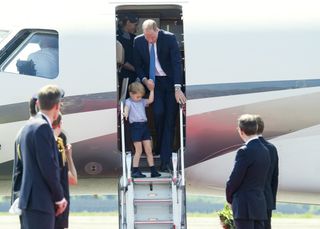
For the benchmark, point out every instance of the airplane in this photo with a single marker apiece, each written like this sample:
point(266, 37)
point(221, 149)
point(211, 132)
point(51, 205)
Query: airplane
point(244, 57)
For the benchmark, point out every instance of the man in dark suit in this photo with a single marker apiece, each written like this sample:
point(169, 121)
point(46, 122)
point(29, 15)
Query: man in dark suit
point(41, 194)
point(158, 61)
point(245, 187)
point(271, 187)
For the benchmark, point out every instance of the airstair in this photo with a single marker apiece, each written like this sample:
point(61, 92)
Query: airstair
point(152, 203)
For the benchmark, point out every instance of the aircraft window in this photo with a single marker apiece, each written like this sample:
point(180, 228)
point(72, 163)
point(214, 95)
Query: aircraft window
point(3, 34)
point(38, 55)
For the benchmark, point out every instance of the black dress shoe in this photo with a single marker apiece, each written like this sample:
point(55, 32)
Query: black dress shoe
point(165, 168)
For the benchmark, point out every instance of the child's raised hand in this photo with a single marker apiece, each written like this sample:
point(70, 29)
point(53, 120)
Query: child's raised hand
point(125, 115)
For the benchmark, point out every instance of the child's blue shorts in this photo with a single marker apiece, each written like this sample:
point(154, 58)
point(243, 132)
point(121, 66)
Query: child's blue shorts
point(139, 131)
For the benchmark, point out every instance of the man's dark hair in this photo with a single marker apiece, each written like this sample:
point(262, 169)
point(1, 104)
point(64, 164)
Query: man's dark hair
point(124, 18)
point(248, 124)
point(33, 107)
point(49, 96)
point(260, 124)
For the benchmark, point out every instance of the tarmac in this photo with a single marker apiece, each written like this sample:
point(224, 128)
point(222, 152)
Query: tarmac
point(111, 222)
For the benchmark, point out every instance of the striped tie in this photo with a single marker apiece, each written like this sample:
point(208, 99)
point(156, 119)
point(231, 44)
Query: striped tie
point(152, 66)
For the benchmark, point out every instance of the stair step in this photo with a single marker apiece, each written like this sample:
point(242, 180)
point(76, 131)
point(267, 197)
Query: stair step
point(156, 180)
point(143, 156)
point(153, 221)
point(152, 201)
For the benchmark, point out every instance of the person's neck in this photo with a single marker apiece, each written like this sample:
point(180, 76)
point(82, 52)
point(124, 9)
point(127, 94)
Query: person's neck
point(49, 114)
point(247, 138)
point(126, 30)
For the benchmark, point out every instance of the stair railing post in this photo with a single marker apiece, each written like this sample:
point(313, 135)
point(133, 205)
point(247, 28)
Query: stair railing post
point(181, 145)
point(123, 147)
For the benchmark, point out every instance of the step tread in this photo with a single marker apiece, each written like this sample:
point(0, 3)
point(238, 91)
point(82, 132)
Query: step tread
point(152, 180)
point(152, 200)
point(153, 221)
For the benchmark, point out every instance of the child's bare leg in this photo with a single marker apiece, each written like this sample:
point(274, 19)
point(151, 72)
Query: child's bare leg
point(137, 154)
point(148, 149)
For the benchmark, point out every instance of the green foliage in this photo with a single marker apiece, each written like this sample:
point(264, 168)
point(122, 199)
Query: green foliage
point(226, 217)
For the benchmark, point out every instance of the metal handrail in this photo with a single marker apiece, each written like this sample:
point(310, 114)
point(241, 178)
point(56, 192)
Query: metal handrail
point(181, 145)
point(123, 147)
point(122, 98)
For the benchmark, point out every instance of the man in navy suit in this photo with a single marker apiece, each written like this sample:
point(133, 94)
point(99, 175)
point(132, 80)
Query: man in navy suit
point(245, 187)
point(158, 61)
point(271, 187)
point(41, 194)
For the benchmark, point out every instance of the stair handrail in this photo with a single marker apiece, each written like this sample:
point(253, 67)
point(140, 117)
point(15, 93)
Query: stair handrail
point(123, 147)
point(181, 145)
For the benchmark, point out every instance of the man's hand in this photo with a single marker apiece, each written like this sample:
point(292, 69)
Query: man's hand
point(180, 97)
point(61, 206)
point(149, 84)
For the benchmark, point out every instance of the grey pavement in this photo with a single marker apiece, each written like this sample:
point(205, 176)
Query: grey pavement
point(111, 222)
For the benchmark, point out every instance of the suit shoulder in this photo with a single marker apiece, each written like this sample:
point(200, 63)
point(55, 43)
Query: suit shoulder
point(139, 37)
point(242, 149)
point(270, 146)
point(167, 33)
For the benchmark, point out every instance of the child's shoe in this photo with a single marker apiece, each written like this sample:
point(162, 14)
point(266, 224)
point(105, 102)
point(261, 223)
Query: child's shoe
point(154, 172)
point(136, 173)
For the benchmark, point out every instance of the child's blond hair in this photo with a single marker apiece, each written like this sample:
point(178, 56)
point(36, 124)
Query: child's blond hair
point(137, 87)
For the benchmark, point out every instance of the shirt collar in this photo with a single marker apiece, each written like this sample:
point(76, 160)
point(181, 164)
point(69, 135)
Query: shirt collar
point(253, 138)
point(47, 118)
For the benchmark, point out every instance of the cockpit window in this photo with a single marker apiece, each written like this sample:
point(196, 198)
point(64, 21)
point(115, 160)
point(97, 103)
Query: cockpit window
point(35, 55)
point(3, 34)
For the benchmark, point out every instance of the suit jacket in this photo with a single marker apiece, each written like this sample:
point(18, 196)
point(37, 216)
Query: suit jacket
point(40, 187)
point(168, 56)
point(245, 187)
point(272, 177)
point(17, 169)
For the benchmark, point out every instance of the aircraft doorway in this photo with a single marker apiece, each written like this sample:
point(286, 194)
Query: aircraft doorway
point(168, 18)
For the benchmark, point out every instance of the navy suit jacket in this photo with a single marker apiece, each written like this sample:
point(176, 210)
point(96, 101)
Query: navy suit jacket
point(245, 187)
point(272, 177)
point(40, 187)
point(17, 169)
point(168, 56)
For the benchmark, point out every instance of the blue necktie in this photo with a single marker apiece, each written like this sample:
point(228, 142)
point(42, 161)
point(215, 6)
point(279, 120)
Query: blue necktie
point(152, 67)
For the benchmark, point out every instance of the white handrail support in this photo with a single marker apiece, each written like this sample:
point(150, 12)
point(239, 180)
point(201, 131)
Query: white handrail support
point(123, 147)
point(181, 145)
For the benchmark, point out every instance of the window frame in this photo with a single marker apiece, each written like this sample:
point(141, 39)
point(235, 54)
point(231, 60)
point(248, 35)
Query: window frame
point(17, 46)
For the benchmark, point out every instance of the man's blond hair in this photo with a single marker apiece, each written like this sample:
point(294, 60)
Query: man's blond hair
point(149, 24)
point(248, 124)
point(49, 96)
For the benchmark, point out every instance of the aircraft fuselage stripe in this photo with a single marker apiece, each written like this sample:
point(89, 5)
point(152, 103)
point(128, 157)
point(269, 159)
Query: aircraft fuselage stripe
point(107, 100)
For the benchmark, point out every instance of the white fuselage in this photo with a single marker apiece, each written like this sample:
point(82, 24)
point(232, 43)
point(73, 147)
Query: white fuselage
point(248, 58)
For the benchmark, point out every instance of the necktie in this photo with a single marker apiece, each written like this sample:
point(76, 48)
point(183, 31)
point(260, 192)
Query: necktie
point(152, 66)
